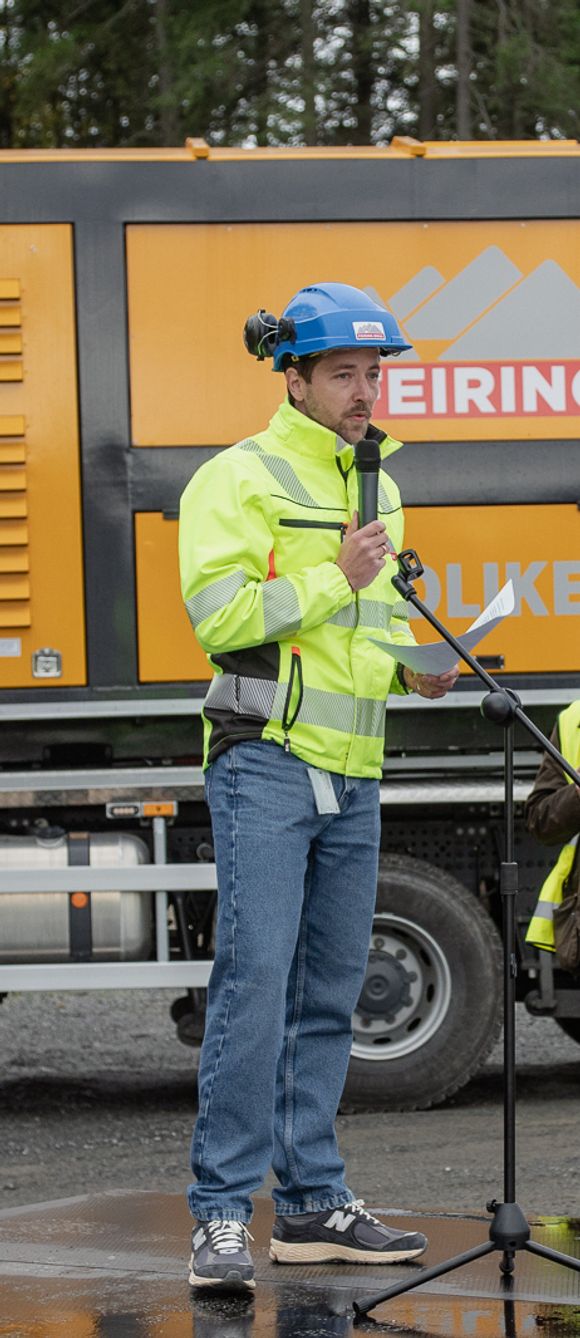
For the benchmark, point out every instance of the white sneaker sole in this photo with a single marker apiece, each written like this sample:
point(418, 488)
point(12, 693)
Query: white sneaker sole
point(233, 1281)
point(321, 1253)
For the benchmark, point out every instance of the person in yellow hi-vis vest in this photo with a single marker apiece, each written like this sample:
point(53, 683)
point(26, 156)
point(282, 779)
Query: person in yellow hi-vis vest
point(288, 595)
point(553, 815)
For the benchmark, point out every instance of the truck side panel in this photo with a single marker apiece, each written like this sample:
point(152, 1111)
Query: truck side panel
point(492, 311)
point(468, 553)
point(42, 633)
point(478, 260)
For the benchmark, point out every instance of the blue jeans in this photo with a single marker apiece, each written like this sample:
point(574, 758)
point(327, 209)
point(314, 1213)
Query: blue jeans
point(295, 906)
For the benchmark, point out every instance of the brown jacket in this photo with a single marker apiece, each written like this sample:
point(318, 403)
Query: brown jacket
point(552, 810)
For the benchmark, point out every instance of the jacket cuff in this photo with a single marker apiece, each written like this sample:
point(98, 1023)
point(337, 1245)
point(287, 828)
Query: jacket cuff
point(400, 678)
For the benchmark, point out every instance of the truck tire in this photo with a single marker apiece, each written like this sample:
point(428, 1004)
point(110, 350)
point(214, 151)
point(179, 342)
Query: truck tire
point(571, 1025)
point(430, 1009)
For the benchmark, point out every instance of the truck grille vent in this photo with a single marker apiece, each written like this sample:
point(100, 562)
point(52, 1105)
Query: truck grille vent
point(14, 560)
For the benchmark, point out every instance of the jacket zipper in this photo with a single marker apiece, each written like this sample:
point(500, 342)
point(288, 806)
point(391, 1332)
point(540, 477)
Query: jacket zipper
point(317, 525)
point(295, 668)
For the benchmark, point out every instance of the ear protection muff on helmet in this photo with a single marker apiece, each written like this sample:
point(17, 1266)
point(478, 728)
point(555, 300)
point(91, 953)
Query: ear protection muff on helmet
point(262, 332)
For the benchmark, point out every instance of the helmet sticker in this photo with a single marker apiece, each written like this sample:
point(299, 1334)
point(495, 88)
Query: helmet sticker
point(368, 330)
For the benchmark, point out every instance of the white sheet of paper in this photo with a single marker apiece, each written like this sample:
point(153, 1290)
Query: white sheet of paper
point(500, 607)
point(438, 657)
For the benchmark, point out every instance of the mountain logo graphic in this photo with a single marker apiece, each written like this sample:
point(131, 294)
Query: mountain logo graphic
point(508, 344)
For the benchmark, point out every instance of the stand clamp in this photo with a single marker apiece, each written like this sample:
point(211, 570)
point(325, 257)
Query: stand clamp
point(410, 569)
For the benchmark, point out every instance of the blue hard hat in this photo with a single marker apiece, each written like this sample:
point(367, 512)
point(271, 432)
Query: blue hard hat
point(335, 315)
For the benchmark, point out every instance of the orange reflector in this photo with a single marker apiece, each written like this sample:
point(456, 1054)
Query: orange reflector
point(165, 809)
point(80, 899)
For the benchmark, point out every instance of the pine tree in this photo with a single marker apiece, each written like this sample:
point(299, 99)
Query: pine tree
point(268, 72)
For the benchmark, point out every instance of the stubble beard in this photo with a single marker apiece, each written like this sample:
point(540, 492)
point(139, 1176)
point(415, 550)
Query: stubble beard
point(340, 428)
point(352, 435)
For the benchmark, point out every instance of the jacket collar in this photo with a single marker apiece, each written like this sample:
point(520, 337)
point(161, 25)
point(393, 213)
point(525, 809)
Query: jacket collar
point(306, 437)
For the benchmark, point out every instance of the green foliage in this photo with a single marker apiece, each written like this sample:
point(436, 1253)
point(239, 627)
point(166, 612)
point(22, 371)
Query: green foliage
point(526, 69)
point(268, 72)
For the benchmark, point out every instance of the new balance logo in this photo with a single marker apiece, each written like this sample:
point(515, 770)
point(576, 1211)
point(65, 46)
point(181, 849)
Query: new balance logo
point(339, 1221)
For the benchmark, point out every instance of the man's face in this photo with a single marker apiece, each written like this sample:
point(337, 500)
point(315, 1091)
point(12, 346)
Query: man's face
point(342, 392)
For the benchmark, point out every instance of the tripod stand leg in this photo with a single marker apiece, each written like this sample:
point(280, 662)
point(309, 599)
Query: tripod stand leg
point(366, 1303)
point(545, 1252)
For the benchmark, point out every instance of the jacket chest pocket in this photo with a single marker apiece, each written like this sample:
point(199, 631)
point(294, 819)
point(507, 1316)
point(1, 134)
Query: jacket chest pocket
point(339, 526)
point(304, 542)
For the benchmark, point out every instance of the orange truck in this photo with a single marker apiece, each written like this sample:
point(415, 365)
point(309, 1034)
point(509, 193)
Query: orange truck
point(125, 280)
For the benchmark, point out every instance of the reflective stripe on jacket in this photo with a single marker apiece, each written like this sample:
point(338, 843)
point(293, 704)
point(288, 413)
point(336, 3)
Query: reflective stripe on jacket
point(260, 529)
point(540, 930)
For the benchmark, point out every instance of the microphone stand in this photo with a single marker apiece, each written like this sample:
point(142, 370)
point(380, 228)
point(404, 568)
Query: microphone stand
point(509, 1230)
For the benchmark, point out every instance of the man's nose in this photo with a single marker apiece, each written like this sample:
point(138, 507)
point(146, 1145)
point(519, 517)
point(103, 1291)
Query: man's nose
point(361, 389)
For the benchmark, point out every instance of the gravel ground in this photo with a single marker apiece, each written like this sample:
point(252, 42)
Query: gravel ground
point(96, 1093)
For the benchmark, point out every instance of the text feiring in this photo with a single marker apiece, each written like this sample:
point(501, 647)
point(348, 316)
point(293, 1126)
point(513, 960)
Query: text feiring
point(476, 390)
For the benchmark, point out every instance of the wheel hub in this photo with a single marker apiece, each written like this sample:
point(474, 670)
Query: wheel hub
point(406, 993)
point(386, 988)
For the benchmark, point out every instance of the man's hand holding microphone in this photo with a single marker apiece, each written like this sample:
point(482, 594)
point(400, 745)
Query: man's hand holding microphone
point(363, 552)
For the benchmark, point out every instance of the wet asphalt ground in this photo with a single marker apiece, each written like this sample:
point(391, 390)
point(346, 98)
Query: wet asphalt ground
point(97, 1093)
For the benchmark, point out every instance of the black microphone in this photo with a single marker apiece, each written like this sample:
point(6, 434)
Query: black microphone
point(368, 462)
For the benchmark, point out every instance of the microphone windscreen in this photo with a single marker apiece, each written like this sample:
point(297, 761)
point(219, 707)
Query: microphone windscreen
point(367, 456)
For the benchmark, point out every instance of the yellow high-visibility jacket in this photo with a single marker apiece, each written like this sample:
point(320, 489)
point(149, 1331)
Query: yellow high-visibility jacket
point(541, 927)
point(260, 529)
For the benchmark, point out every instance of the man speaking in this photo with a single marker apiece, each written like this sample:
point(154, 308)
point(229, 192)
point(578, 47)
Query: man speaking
point(285, 590)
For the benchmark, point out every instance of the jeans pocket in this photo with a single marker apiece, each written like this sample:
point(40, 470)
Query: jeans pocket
point(207, 780)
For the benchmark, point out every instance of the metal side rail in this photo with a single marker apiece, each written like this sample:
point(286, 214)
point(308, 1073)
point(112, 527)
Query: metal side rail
point(159, 879)
point(22, 789)
point(53, 789)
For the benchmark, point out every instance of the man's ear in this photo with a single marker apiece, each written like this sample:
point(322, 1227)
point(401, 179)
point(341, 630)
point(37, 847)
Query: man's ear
point(294, 384)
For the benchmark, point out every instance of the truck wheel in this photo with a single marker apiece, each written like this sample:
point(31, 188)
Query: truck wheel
point(430, 1009)
point(188, 1013)
point(571, 1025)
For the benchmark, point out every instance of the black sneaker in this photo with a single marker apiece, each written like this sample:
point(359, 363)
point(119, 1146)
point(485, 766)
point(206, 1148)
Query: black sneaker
point(220, 1256)
point(347, 1233)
